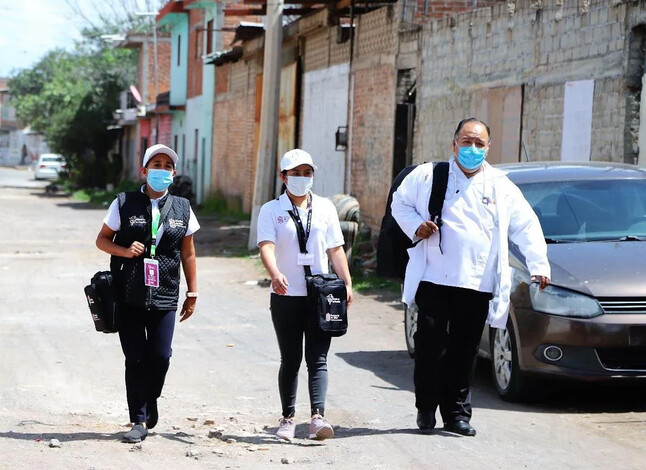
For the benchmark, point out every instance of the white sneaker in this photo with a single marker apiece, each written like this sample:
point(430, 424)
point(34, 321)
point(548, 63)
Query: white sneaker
point(320, 429)
point(286, 429)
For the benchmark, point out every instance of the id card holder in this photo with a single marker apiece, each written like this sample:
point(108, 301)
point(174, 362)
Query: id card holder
point(151, 272)
point(305, 259)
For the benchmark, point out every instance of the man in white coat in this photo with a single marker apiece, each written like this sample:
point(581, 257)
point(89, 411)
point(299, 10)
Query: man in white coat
point(459, 273)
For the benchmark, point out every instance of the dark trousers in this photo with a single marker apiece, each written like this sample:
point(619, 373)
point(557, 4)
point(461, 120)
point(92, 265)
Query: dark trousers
point(449, 327)
point(146, 338)
point(292, 321)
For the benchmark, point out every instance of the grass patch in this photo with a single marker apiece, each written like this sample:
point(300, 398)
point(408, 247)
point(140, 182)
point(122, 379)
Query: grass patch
point(101, 197)
point(373, 284)
point(219, 206)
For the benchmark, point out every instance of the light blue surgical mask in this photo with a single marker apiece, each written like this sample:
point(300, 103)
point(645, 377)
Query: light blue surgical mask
point(471, 157)
point(159, 180)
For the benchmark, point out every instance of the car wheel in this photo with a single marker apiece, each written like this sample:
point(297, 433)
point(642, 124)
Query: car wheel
point(410, 327)
point(507, 377)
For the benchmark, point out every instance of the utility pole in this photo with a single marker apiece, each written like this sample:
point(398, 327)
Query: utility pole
point(268, 136)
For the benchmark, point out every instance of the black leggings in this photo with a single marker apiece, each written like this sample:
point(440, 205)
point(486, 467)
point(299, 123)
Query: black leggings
point(291, 321)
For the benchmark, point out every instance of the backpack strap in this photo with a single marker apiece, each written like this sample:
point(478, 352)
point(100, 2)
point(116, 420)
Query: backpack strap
point(438, 192)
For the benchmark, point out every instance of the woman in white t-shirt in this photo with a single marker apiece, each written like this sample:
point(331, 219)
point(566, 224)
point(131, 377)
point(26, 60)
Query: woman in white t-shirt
point(280, 254)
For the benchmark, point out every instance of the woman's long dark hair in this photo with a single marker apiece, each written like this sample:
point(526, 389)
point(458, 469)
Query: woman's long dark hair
point(284, 187)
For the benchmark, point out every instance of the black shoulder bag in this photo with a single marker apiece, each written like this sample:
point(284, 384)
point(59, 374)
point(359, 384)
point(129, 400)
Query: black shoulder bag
point(327, 296)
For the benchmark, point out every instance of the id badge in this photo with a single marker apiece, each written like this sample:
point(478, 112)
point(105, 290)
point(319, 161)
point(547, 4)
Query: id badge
point(151, 272)
point(305, 259)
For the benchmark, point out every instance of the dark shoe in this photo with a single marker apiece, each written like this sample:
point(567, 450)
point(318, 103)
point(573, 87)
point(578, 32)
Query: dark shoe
point(425, 421)
point(136, 434)
point(153, 414)
point(461, 427)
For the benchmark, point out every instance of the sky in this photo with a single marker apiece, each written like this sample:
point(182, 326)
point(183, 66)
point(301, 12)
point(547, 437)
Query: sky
point(31, 28)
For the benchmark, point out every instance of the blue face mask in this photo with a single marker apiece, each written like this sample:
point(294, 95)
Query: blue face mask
point(471, 157)
point(159, 180)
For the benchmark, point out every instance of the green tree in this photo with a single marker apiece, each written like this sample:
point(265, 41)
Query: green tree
point(70, 97)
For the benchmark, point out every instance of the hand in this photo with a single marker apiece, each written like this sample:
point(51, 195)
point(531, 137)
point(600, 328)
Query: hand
point(187, 309)
point(350, 294)
point(136, 249)
point(426, 229)
point(279, 284)
point(542, 280)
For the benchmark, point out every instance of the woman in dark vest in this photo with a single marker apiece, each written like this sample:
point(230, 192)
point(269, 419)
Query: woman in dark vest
point(149, 233)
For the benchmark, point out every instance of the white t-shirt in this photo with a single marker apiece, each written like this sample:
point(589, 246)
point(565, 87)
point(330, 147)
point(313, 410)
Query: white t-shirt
point(113, 219)
point(275, 225)
point(469, 234)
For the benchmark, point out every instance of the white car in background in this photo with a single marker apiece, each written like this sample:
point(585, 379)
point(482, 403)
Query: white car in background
point(49, 165)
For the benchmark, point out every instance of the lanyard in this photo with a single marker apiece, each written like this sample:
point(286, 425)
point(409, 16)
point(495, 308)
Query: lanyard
point(155, 229)
point(304, 234)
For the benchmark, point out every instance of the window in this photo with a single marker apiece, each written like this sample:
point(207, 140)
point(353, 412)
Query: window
point(209, 37)
point(589, 210)
point(179, 48)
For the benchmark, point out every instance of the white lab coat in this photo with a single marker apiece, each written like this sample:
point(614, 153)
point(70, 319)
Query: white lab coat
point(516, 220)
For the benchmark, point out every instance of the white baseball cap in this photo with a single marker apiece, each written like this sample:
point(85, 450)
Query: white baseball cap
point(159, 148)
point(294, 158)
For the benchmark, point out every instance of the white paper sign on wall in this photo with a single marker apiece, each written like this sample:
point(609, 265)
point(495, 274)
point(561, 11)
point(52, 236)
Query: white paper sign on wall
point(577, 121)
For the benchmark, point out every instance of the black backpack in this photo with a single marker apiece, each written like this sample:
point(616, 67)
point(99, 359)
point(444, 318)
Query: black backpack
point(392, 256)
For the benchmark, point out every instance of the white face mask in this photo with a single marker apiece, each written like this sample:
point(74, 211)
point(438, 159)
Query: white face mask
point(299, 185)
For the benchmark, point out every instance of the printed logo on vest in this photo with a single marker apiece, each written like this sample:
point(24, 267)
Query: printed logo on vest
point(332, 300)
point(175, 223)
point(137, 220)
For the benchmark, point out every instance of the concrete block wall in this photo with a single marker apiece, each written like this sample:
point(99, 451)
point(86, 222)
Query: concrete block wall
point(321, 49)
point(233, 128)
point(519, 43)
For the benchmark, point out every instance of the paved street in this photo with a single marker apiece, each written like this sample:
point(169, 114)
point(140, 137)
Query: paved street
point(61, 379)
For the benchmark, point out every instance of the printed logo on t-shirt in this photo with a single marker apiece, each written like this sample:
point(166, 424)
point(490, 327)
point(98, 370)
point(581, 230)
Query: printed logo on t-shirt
point(280, 219)
point(137, 220)
point(175, 223)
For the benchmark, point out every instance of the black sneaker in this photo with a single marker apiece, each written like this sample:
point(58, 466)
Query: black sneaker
point(153, 414)
point(136, 434)
point(425, 421)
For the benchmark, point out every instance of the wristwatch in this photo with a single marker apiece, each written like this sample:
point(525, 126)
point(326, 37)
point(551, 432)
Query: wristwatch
point(191, 294)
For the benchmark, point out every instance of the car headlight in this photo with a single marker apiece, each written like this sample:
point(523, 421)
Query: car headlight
point(558, 301)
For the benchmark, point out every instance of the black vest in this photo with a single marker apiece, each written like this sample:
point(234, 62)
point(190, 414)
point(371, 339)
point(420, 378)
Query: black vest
point(135, 210)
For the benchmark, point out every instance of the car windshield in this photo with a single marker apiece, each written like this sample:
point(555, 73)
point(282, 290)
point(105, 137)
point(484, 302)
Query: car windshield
point(573, 211)
point(52, 159)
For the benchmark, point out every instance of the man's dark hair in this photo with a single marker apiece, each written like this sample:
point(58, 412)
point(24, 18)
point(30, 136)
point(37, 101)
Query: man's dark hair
point(471, 119)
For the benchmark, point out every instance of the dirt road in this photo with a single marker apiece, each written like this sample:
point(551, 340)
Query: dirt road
point(59, 379)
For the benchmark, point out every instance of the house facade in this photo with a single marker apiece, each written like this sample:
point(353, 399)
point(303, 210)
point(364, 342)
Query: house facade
point(192, 86)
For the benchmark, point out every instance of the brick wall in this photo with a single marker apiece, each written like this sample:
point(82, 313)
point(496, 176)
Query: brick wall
point(233, 128)
point(165, 130)
point(537, 48)
point(423, 10)
point(195, 52)
point(163, 67)
point(373, 107)
point(372, 140)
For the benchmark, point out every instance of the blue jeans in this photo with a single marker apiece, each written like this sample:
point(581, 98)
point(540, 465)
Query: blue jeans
point(292, 321)
point(146, 338)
